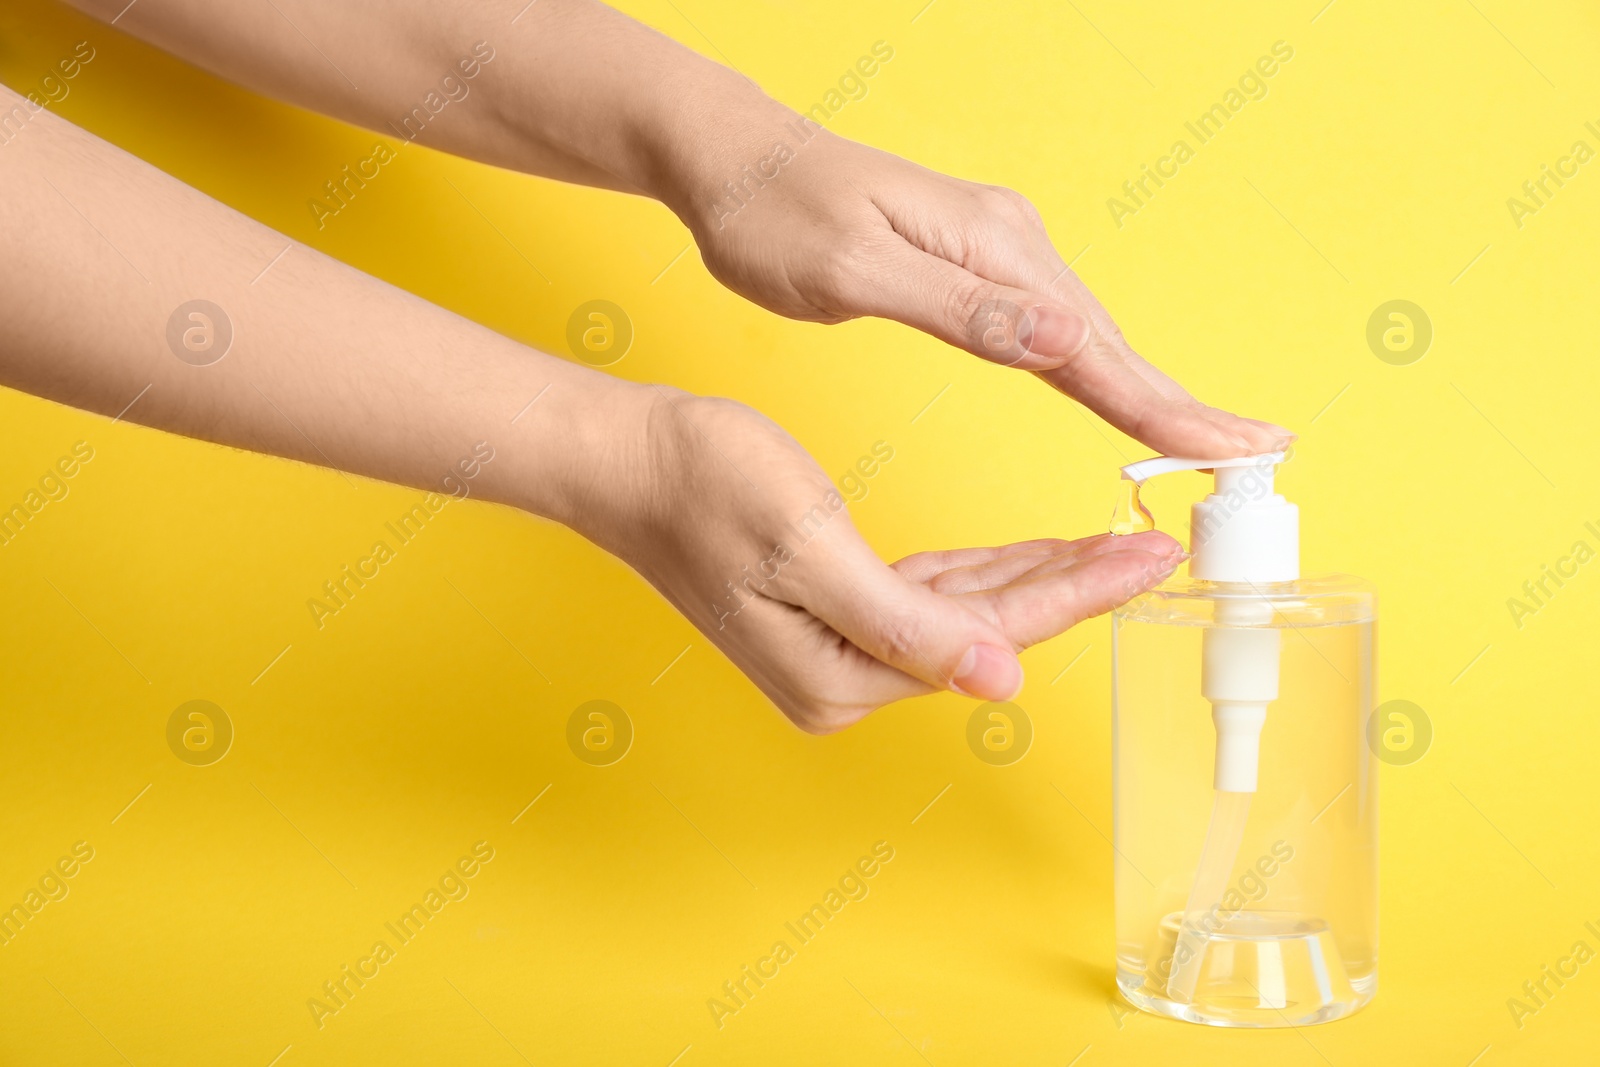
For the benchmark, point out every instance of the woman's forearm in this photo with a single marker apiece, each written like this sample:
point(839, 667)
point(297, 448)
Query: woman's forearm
point(124, 292)
point(103, 257)
point(568, 89)
point(574, 90)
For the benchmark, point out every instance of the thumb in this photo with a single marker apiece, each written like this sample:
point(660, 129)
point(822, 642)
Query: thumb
point(999, 323)
point(911, 628)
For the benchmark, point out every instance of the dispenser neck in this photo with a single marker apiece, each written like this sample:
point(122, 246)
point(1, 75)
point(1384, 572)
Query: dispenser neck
point(1244, 531)
point(1234, 479)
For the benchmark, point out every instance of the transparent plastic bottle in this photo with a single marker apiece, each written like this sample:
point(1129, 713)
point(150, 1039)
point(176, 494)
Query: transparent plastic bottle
point(1279, 886)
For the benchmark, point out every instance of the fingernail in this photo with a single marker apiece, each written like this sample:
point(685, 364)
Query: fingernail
point(1163, 565)
point(989, 672)
point(1282, 436)
point(1051, 331)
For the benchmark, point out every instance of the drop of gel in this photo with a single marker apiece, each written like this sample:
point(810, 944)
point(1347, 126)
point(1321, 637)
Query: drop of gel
point(1130, 515)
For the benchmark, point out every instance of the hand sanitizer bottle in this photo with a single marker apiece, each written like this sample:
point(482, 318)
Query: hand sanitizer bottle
point(1246, 821)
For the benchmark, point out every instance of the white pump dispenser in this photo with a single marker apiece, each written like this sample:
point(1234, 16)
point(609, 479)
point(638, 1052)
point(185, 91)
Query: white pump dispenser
point(1244, 535)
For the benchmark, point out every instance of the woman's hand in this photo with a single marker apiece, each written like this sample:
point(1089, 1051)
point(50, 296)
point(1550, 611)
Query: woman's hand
point(842, 230)
point(800, 221)
point(714, 504)
point(740, 529)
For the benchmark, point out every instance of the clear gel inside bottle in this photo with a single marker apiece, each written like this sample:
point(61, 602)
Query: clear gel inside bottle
point(1247, 909)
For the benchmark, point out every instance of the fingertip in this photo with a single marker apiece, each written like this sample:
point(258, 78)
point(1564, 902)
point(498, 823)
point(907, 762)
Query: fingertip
point(1282, 437)
point(1159, 565)
point(1128, 574)
point(1241, 436)
point(989, 673)
point(1207, 434)
point(1172, 560)
point(1154, 542)
point(1152, 572)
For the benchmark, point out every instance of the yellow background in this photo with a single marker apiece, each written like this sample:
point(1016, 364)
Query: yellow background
point(373, 753)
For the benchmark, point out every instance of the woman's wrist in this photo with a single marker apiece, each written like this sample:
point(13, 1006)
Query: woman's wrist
point(705, 138)
point(577, 451)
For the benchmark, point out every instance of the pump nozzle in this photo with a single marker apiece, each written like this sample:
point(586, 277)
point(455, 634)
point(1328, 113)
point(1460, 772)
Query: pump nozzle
point(1146, 469)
